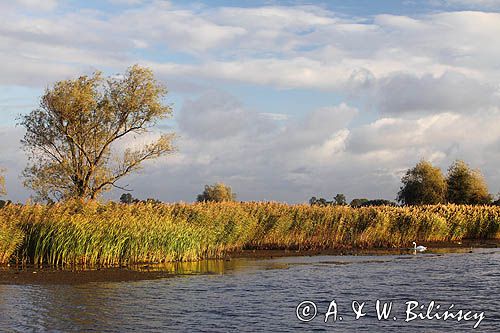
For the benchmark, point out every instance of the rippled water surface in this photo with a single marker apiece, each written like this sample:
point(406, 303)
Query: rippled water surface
point(250, 295)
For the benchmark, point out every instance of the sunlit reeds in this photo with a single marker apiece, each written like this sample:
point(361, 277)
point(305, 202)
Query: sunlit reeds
point(76, 233)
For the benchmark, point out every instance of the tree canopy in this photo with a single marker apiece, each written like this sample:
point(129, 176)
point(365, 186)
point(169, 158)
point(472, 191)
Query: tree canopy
point(218, 192)
point(423, 184)
point(127, 198)
point(339, 199)
point(358, 202)
point(72, 137)
point(466, 186)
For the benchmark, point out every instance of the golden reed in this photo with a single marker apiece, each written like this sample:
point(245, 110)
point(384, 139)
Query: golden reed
point(92, 233)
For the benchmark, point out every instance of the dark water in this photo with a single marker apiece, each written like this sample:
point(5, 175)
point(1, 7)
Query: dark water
point(249, 295)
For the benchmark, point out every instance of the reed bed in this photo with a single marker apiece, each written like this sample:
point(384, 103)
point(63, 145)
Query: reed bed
point(91, 233)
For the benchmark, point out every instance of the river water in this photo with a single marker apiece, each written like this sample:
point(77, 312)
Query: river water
point(262, 295)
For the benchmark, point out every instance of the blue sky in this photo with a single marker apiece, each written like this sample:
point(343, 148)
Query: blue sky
point(282, 100)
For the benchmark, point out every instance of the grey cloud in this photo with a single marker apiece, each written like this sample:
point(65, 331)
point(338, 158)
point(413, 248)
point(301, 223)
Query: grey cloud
point(316, 127)
point(441, 138)
point(262, 166)
point(295, 46)
point(261, 158)
point(401, 93)
point(397, 62)
point(274, 164)
point(216, 115)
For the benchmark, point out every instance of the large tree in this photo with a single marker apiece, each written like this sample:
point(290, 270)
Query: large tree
point(76, 137)
point(218, 192)
point(422, 185)
point(466, 186)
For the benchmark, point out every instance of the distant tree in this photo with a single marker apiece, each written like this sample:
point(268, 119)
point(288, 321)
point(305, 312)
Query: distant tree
point(358, 202)
point(497, 201)
point(70, 137)
point(323, 202)
point(218, 192)
point(378, 202)
point(3, 191)
point(423, 185)
point(319, 202)
point(466, 186)
point(340, 199)
point(152, 201)
point(127, 198)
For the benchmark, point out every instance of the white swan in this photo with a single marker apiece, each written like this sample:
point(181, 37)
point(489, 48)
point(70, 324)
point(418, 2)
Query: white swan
point(419, 248)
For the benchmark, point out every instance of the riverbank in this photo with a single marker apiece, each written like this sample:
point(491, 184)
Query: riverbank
point(92, 234)
point(465, 245)
point(32, 275)
point(51, 276)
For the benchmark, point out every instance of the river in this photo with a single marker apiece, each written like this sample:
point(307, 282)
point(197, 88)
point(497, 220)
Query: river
point(262, 295)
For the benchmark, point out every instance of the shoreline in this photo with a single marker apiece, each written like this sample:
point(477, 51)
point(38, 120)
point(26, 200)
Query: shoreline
point(31, 275)
point(270, 253)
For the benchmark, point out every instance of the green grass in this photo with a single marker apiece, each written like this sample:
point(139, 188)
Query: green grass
point(76, 233)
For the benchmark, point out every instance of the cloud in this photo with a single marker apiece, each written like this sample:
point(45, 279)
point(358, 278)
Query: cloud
point(474, 4)
point(261, 161)
point(274, 116)
point(400, 93)
point(432, 80)
point(326, 151)
point(323, 153)
point(317, 128)
point(176, 29)
point(447, 135)
point(45, 5)
point(216, 116)
point(285, 47)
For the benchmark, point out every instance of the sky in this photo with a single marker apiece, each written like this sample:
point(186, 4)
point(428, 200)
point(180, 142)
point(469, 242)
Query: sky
point(281, 100)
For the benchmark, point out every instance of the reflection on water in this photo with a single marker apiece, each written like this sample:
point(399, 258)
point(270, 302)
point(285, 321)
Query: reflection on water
point(212, 266)
point(261, 295)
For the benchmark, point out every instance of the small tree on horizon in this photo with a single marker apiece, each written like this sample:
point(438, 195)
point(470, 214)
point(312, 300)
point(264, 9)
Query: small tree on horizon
point(340, 199)
point(71, 139)
point(127, 198)
point(378, 202)
point(218, 192)
point(319, 202)
point(358, 202)
point(466, 186)
point(423, 184)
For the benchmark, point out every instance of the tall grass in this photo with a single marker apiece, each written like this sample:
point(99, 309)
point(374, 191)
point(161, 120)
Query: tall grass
point(76, 233)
